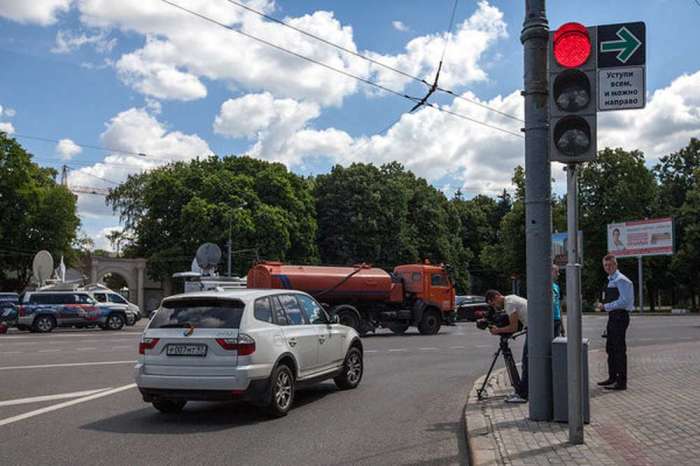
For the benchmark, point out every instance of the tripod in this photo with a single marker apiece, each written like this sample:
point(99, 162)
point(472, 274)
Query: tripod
point(511, 368)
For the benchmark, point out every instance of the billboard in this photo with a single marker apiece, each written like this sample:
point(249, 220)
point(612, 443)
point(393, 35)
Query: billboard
point(651, 237)
point(559, 242)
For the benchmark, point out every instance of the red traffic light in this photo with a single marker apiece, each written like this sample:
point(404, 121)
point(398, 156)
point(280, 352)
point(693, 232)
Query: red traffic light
point(572, 45)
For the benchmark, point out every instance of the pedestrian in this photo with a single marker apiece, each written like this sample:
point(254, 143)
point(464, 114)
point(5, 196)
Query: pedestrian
point(617, 302)
point(556, 303)
point(516, 308)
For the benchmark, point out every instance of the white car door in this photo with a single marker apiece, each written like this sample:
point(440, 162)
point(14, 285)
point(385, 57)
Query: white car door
point(301, 338)
point(331, 337)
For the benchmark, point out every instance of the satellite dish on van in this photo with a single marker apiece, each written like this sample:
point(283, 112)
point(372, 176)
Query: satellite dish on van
point(195, 267)
point(42, 266)
point(208, 256)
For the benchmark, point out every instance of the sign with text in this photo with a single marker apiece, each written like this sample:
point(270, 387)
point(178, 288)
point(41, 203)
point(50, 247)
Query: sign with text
point(653, 237)
point(621, 88)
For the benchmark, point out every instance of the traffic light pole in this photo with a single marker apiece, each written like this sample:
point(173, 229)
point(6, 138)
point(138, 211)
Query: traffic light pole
point(538, 216)
point(573, 310)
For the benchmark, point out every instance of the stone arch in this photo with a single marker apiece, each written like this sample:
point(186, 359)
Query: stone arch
point(132, 270)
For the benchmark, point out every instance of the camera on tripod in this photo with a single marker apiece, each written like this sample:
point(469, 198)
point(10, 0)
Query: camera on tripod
point(497, 319)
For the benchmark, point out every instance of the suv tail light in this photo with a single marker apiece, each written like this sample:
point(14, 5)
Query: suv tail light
point(20, 310)
point(244, 344)
point(147, 344)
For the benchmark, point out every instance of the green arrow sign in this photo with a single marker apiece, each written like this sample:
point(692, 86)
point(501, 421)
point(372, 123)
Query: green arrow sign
point(626, 46)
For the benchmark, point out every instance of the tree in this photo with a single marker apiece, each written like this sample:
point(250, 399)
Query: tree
point(616, 187)
point(170, 211)
point(385, 216)
point(37, 213)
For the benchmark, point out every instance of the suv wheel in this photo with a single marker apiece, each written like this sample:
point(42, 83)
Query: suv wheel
point(280, 394)
point(169, 406)
point(130, 319)
point(44, 324)
point(114, 322)
point(430, 323)
point(353, 368)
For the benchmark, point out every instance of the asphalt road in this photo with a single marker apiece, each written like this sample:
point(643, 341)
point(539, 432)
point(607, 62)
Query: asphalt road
point(407, 410)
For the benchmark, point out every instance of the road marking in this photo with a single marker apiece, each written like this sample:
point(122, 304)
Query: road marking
point(86, 348)
point(60, 396)
point(397, 350)
point(11, 352)
point(371, 351)
point(69, 335)
point(65, 404)
point(49, 351)
point(457, 347)
point(72, 364)
point(428, 349)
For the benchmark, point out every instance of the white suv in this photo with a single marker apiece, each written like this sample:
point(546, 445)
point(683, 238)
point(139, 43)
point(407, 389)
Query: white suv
point(255, 345)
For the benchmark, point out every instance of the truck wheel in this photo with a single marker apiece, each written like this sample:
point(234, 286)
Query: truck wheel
point(352, 370)
point(348, 317)
point(429, 324)
point(44, 324)
point(398, 328)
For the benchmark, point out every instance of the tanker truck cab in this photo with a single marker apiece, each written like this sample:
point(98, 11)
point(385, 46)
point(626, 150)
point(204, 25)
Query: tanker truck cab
point(428, 287)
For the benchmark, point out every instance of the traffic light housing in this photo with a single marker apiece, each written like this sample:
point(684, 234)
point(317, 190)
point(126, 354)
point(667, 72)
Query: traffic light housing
point(572, 93)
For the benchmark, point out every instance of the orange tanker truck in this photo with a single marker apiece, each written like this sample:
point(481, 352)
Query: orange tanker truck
point(364, 297)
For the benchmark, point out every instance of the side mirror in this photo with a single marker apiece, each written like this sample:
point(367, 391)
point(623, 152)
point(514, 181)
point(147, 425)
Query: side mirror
point(335, 319)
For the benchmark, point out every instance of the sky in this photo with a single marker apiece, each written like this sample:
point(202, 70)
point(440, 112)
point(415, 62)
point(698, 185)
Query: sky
point(117, 88)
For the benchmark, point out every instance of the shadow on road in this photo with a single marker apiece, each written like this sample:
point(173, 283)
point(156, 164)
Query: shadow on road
point(200, 417)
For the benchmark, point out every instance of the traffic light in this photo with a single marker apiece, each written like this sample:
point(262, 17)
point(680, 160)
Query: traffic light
point(572, 93)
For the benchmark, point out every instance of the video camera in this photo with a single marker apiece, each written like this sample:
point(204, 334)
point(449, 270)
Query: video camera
point(495, 318)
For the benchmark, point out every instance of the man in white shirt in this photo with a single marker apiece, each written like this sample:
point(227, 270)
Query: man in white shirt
point(516, 308)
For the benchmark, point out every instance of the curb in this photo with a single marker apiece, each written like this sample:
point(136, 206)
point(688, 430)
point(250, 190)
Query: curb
point(482, 446)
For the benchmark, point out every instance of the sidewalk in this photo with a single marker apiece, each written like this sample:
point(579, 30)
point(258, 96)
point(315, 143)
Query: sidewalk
point(656, 421)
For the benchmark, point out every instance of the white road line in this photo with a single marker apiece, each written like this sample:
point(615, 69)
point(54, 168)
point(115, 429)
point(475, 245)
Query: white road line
point(72, 364)
point(60, 396)
point(65, 404)
point(456, 347)
point(11, 352)
point(397, 350)
point(371, 351)
point(86, 348)
point(428, 349)
point(69, 335)
point(49, 351)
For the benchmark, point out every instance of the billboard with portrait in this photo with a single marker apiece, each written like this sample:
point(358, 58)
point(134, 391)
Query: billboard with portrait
point(652, 237)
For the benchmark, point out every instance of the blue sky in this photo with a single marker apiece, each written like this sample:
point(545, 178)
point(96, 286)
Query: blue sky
point(141, 76)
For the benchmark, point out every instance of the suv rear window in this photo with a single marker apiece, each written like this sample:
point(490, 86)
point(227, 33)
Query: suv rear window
point(199, 313)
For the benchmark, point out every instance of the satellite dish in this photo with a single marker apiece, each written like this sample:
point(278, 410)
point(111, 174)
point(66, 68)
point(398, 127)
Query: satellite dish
point(208, 256)
point(42, 266)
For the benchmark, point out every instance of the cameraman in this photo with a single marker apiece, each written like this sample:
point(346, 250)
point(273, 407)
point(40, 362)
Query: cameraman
point(516, 309)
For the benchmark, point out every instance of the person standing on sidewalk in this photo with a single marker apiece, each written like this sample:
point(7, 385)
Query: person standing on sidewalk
point(618, 301)
point(556, 303)
point(516, 308)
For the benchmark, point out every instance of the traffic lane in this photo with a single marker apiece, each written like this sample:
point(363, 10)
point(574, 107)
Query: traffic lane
point(421, 391)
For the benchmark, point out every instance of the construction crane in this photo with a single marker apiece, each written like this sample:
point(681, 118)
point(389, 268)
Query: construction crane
point(81, 189)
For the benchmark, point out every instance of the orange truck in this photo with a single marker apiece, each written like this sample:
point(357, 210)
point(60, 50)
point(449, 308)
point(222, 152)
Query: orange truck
point(365, 298)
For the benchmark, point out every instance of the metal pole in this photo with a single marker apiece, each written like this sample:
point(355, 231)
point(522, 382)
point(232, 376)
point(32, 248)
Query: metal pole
point(640, 275)
point(573, 311)
point(229, 248)
point(538, 215)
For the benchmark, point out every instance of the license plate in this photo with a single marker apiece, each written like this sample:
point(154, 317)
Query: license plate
point(186, 350)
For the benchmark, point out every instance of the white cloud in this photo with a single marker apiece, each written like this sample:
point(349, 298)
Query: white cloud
point(100, 238)
point(8, 112)
point(6, 127)
point(465, 50)
point(67, 149)
point(670, 119)
point(43, 12)
point(399, 26)
point(67, 41)
point(133, 130)
point(188, 49)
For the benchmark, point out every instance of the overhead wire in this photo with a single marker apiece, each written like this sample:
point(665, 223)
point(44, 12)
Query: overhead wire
point(329, 67)
point(377, 62)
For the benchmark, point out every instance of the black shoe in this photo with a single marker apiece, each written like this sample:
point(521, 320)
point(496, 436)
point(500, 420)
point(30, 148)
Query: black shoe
point(617, 386)
point(606, 382)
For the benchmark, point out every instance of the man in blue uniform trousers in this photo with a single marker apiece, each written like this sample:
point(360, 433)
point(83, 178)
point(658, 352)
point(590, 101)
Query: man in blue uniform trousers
point(618, 301)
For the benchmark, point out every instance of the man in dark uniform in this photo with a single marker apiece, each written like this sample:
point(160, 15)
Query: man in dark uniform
point(618, 301)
